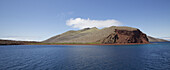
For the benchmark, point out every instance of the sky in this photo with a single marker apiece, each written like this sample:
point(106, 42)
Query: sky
point(38, 20)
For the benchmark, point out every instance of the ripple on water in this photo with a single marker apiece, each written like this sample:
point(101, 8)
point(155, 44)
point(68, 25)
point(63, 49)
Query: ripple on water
point(127, 57)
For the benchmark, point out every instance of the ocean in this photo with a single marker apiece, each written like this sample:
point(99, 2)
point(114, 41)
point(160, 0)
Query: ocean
point(155, 56)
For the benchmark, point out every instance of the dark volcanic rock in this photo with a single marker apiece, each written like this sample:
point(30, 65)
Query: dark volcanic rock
point(125, 36)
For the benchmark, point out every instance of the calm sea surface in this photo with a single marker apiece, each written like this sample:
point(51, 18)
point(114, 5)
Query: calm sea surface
point(154, 56)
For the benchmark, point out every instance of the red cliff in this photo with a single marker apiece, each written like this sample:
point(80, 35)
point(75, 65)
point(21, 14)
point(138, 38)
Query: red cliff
point(125, 36)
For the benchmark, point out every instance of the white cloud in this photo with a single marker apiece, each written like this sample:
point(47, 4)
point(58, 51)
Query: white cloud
point(85, 23)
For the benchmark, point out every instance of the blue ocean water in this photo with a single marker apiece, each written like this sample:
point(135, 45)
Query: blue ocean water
point(155, 56)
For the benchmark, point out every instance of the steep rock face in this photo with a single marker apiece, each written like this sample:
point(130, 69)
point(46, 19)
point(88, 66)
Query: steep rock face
point(125, 36)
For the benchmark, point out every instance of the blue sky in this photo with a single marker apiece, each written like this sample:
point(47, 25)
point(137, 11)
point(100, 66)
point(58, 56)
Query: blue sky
point(40, 19)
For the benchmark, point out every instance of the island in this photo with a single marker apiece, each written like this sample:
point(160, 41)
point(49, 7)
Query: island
point(114, 35)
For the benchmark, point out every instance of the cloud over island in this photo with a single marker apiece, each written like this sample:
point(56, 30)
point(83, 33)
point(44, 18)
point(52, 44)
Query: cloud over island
point(88, 23)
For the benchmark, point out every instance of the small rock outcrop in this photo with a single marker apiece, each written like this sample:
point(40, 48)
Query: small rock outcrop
point(125, 36)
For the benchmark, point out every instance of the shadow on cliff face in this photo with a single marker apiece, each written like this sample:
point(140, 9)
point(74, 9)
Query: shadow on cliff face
point(125, 36)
